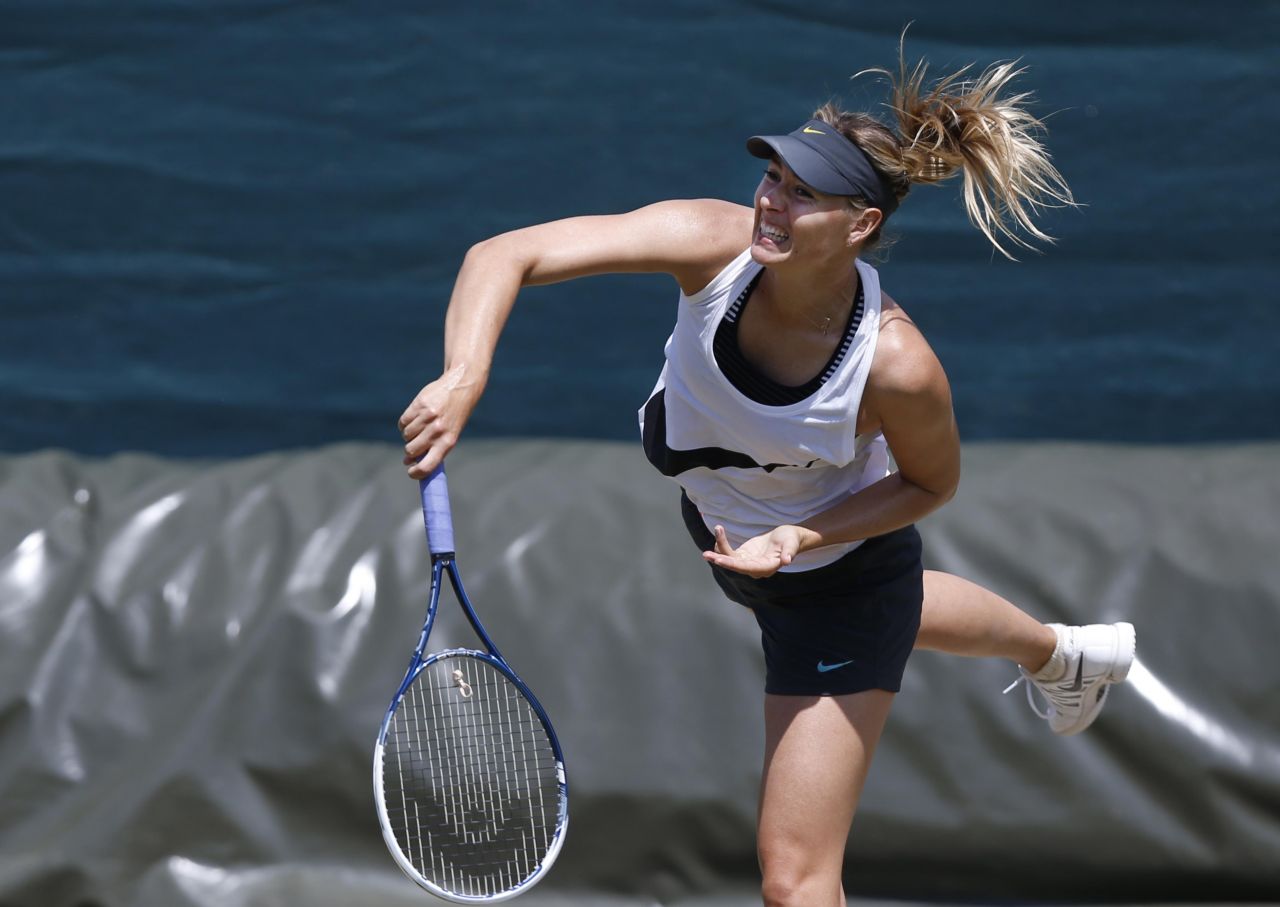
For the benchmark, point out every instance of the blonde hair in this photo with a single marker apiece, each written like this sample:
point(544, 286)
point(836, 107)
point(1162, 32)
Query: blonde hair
point(962, 125)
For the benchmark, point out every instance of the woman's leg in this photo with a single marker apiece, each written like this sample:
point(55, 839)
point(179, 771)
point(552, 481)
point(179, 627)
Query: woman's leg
point(1073, 667)
point(817, 752)
point(963, 618)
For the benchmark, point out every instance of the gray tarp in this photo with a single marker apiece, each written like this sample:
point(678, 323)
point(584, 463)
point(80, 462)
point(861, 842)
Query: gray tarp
point(194, 658)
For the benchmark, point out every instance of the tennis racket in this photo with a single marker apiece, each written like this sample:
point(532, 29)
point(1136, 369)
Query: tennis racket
point(467, 771)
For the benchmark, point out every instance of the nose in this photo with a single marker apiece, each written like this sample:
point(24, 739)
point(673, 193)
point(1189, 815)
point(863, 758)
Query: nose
point(767, 199)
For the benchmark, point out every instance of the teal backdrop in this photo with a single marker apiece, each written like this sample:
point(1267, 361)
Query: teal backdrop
point(233, 227)
point(228, 234)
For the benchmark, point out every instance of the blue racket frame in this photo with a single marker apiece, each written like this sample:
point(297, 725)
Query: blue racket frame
point(438, 520)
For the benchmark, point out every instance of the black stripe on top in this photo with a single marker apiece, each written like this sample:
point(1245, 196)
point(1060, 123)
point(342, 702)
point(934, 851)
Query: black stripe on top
point(749, 380)
point(671, 462)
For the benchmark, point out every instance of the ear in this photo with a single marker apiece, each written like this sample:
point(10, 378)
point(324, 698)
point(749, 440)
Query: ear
point(866, 222)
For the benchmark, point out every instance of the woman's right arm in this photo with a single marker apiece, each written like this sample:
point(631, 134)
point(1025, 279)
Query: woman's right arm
point(690, 240)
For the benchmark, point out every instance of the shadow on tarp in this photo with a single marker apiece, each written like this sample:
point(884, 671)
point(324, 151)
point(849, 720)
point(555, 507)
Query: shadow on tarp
point(195, 657)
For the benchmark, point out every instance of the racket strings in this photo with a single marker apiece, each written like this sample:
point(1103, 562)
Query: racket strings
point(470, 779)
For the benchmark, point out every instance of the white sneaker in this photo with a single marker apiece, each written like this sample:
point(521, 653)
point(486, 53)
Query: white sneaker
point(1096, 656)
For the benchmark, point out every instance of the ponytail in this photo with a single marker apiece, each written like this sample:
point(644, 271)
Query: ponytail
point(963, 125)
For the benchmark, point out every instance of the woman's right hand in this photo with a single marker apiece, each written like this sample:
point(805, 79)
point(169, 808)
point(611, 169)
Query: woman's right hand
point(690, 240)
point(432, 422)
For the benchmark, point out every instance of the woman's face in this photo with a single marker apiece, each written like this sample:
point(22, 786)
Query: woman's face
point(796, 223)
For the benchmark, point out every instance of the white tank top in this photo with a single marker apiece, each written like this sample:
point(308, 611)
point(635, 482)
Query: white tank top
point(750, 466)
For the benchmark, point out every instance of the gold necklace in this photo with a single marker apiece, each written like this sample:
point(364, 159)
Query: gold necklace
point(825, 324)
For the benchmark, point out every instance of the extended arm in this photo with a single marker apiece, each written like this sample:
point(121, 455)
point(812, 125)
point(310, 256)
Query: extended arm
point(691, 240)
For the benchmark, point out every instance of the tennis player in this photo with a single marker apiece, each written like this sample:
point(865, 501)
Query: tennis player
point(791, 379)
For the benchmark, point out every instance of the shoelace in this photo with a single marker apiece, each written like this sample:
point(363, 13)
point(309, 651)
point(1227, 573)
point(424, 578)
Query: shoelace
point(1025, 678)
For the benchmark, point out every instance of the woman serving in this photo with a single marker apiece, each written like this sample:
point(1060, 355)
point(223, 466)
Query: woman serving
point(809, 426)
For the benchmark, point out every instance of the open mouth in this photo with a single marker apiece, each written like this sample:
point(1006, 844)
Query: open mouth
point(773, 234)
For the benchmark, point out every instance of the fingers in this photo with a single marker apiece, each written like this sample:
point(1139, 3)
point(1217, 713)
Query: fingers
point(417, 412)
point(420, 469)
point(415, 419)
point(741, 563)
point(748, 567)
point(427, 439)
point(433, 452)
point(722, 553)
point(758, 557)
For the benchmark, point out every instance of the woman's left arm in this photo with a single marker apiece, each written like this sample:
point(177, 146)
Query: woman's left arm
point(908, 396)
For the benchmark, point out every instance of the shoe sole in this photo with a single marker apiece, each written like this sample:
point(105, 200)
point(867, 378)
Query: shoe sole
point(1126, 651)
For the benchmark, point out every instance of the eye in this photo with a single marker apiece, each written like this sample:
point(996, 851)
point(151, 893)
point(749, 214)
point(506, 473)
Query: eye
point(771, 174)
point(803, 192)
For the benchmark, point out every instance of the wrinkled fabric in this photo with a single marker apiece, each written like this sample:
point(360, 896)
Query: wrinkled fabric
point(195, 657)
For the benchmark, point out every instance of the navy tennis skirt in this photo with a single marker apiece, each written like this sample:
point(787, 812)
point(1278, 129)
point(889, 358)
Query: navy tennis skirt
point(842, 628)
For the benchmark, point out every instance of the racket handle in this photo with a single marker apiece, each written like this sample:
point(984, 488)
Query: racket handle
point(435, 512)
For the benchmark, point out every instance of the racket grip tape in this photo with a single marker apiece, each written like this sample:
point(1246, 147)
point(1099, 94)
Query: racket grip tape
point(435, 512)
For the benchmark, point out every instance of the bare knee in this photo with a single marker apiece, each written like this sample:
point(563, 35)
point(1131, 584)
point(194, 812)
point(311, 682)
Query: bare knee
point(790, 883)
point(798, 893)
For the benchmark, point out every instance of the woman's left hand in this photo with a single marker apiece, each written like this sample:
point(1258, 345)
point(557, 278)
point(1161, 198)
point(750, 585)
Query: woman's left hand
point(760, 556)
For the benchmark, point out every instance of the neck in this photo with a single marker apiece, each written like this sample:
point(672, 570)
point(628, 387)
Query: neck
point(811, 300)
